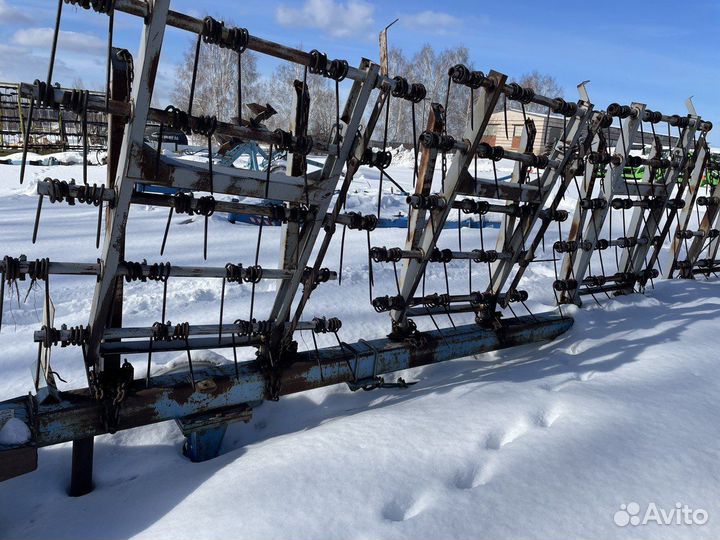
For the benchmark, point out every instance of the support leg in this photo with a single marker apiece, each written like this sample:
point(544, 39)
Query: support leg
point(204, 444)
point(82, 467)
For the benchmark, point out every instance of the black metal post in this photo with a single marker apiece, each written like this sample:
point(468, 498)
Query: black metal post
point(82, 467)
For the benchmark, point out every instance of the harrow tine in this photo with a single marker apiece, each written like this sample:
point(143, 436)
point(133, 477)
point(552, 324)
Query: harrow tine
point(222, 306)
point(164, 300)
point(167, 230)
point(205, 239)
point(2, 296)
point(190, 365)
point(371, 280)
point(99, 224)
point(53, 50)
point(83, 117)
point(210, 167)
point(507, 133)
point(235, 358)
point(111, 27)
point(37, 218)
point(161, 134)
point(149, 363)
point(194, 75)
point(26, 141)
point(342, 251)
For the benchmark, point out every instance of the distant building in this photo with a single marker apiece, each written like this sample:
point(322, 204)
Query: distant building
point(496, 135)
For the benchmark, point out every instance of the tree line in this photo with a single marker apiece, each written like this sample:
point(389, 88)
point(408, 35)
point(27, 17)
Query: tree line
point(216, 90)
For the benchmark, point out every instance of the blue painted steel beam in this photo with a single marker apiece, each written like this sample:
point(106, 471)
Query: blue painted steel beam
point(204, 444)
point(219, 391)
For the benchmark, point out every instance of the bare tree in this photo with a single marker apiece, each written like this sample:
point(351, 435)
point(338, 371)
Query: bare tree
point(278, 91)
point(216, 85)
point(79, 83)
point(430, 68)
point(546, 85)
point(400, 125)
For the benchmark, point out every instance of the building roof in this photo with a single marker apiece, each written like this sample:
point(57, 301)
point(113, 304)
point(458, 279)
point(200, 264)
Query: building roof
point(531, 113)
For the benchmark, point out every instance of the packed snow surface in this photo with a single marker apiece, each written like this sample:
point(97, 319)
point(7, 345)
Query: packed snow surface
point(541, 441)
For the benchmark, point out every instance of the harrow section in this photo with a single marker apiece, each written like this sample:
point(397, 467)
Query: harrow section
point(122, 391)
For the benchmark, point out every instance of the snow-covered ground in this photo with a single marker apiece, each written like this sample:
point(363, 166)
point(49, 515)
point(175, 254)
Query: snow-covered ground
point(534, 442)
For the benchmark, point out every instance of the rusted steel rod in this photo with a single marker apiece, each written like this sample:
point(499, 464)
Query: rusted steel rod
point(254, 327)
point(461, 74)
point(486, 151)
point(470, 307)
point(276, 211)
point(419, 311)
point(527, 158)
point(619, 203)
point(705, 266)
point(438, 255)
point(675, 120)
point(121, 108)
point(443, 304)
point(74, 191)
point(94, 269)
point(96, 102)
point(626, 242)
point(240, 131)
point(477, 298)
point(143, 346)
point(470, 206)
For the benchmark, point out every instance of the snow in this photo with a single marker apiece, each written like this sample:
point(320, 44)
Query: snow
point(538, 441)
point(13, 432)
point(56, 158)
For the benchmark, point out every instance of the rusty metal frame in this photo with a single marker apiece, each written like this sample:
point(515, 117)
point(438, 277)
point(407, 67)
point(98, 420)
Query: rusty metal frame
point(685, 268)
point(64, 127)
point(226, 393)
point(133, 161)
point(349, 146)
point(567, 153)
point(575, 265)
point(412, 269)
point(149, 57)
point(646, 223)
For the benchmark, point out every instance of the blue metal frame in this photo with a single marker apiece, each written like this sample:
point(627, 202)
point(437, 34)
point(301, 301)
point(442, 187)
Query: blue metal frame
point(203, 444)
point(221, 396)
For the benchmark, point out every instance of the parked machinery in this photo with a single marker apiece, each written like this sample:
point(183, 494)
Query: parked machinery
point(54, 130)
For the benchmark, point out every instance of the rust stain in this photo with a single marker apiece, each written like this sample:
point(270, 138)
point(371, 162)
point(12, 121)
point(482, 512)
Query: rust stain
point(148, 170)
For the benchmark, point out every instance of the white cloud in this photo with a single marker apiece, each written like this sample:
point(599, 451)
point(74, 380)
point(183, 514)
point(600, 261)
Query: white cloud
point(21, 64)
point(9, 14)
point(67, 41)
point(354, 17)
point(432, 21)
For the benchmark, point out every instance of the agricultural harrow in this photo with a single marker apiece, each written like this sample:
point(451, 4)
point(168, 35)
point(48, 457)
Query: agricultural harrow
point(121, 391)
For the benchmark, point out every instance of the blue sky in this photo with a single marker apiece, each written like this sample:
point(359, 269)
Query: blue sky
point(656, 52)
